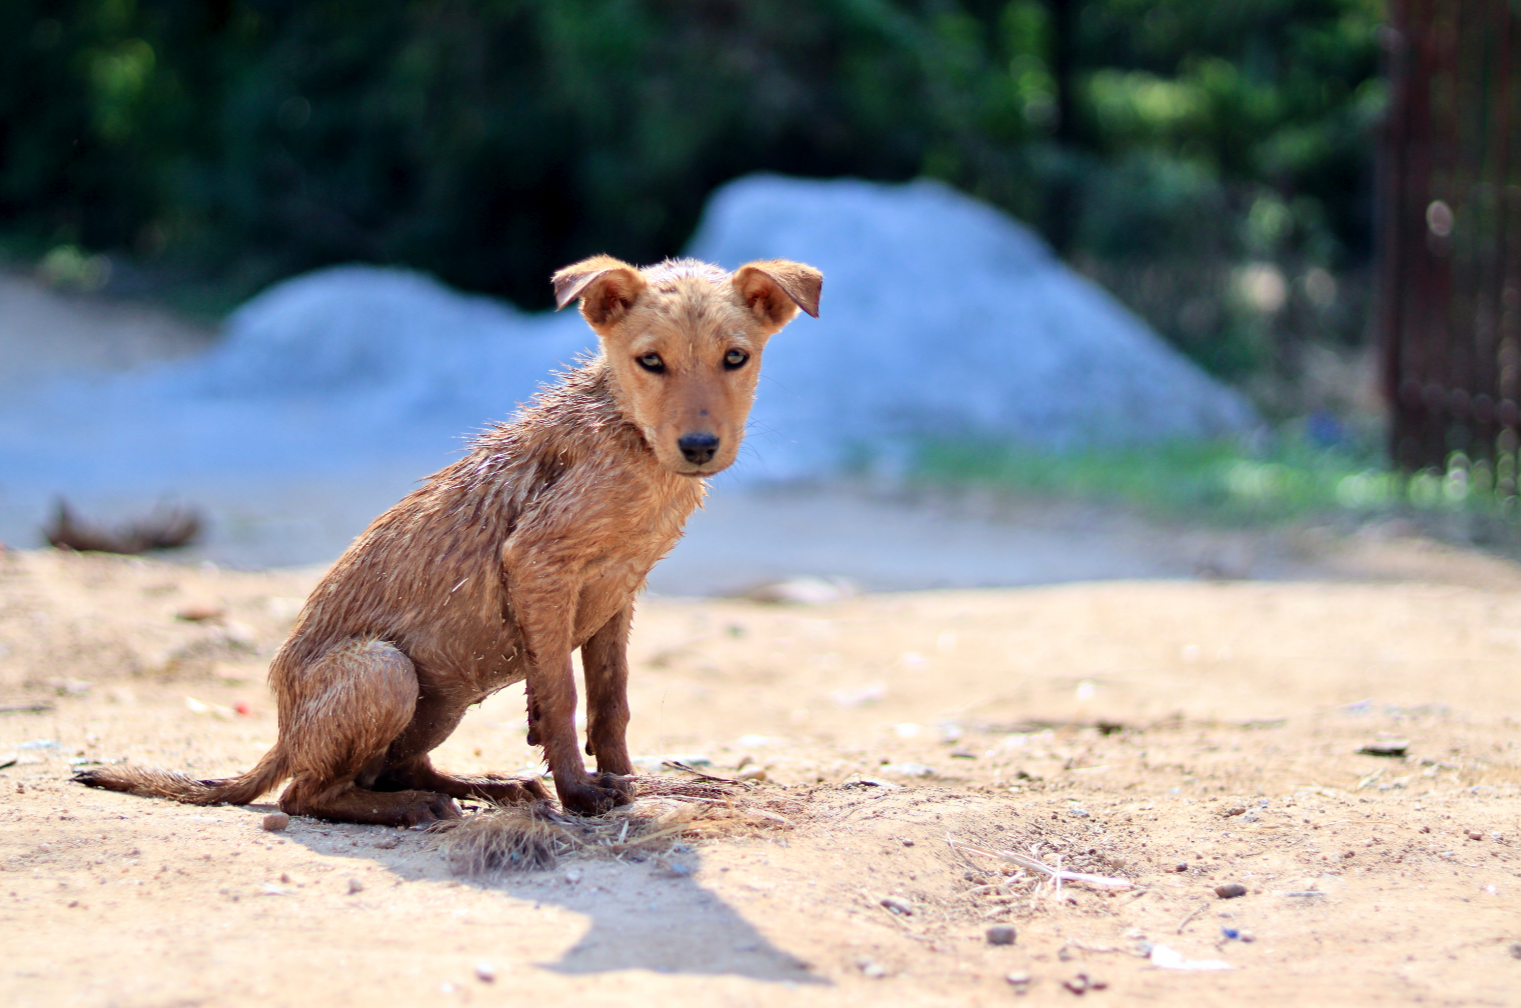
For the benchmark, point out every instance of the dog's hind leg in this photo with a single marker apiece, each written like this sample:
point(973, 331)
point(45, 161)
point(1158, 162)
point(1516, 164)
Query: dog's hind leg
point(343, 711)
point(419, 773)
point(605, 661)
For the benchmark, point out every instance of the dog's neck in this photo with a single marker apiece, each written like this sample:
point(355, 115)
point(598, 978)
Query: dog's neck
point(579, 420)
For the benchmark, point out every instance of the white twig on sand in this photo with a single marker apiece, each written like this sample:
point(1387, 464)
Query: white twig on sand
point(1055, 874)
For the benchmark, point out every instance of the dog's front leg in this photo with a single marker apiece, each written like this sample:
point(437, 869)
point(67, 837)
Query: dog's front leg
point(545, 609)
point(605, 660)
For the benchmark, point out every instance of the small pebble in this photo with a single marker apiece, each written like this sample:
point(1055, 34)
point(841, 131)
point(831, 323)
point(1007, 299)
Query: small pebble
point(485, 972)
point(870, 969)
point(1475, 836)
point(1515, 950)
point(757, 774)
point(1235, 810)
point(572, 876)
point(1018, 979)
point(1001, 934)
point(276, 821)
point(355, 886)
point(1230, 890)
point(897, 906)
point(1081, 984)
point(1181, 866)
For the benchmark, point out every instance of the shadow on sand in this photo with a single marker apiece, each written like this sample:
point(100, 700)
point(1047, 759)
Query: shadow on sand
point(643, 915)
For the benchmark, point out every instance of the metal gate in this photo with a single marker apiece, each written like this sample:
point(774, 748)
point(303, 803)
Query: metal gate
point(1450, 235)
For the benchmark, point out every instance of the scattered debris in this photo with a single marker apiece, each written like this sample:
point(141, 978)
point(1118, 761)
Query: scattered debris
point(1082, 984)
point(804, 591)
point(165, 527)
point(1191, 915)
point(276, 821)
point(1001, 934)
point(1166, 958)
point(665, 810)
point(859, 695)
point(1055, 874)
point(1231, 890)
point(26, 707)
point(1386, 747)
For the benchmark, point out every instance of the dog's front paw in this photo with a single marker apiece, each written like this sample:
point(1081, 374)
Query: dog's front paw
point(600, 793)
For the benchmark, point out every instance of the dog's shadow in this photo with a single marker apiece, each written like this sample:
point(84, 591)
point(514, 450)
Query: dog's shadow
point(648, 914)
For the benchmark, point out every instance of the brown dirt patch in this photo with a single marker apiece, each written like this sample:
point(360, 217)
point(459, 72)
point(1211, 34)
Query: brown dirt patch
point(1117, 726)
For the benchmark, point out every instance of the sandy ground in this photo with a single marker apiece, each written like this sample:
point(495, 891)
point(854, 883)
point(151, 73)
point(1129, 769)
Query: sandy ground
point(1118, 726)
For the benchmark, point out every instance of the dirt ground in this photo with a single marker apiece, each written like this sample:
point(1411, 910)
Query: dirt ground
point(1179, 735)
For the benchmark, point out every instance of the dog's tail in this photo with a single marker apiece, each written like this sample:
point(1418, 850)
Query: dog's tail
point(152, 782)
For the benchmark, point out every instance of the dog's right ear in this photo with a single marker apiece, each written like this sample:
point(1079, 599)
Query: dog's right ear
point(606, 286)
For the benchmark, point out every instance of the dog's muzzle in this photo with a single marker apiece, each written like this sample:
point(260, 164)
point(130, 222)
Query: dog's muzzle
point(699, 448)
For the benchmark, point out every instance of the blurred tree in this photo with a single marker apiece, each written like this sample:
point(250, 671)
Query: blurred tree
point(1163, 145)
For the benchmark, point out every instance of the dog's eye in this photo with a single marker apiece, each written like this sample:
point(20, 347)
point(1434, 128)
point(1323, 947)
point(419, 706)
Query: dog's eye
point(651, 362)
point(735, 358)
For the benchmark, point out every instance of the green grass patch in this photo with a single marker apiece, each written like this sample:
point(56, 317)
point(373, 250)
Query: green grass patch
point(1215, 480)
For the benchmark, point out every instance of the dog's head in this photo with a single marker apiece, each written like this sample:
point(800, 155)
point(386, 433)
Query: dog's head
point(683, 342)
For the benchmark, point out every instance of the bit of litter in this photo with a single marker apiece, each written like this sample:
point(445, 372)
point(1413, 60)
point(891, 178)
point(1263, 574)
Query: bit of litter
point(872, 782)
point(27, 707)
point(804, 591)
point(1385, 747)
point(1081, 984)
point(909, 770)
point(859, 695)
point(213, 710)
point(1055, 874)
point(1167, 958)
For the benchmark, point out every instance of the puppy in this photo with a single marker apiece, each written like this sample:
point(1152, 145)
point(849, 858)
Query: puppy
point(500, 565)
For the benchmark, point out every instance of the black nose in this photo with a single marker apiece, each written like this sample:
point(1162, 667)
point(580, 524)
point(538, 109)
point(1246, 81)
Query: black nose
point(698, 448)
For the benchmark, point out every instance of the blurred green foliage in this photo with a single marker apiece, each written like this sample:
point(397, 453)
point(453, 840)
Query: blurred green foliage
point(1292, 476)
point(1208, 160)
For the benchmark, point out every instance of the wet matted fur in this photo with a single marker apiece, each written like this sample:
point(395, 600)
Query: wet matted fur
point(501, 565)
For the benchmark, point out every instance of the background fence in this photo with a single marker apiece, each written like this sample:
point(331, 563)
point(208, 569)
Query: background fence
point(1451, 235)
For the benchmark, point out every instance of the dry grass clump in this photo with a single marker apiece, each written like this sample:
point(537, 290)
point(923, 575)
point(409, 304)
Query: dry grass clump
point(666, 811)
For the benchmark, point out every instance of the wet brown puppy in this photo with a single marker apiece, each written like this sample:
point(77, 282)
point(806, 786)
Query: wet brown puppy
point(500, 565)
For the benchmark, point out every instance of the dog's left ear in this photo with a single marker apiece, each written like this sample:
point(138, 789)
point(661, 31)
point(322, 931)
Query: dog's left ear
point(606, 286)
point(774, 289)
